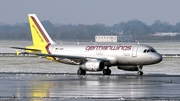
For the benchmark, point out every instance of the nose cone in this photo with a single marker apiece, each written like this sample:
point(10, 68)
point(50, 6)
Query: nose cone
point(157, 58)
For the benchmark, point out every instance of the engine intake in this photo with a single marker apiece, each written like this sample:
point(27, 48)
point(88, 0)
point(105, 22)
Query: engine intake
point(93, 65)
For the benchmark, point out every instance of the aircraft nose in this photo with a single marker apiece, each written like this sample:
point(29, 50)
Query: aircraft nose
point(158, 58)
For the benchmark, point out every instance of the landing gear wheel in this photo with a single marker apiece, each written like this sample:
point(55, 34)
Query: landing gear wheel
point(107, 72)
point(81, 72)
point(140, 73)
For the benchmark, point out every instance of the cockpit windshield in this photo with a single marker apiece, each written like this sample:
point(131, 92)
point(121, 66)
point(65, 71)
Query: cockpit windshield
point(149, 50)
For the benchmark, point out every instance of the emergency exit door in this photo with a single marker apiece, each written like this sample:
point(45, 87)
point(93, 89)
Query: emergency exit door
point(134, 51)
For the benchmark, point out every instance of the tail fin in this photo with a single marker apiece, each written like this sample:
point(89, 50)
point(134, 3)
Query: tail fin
point(39, 34)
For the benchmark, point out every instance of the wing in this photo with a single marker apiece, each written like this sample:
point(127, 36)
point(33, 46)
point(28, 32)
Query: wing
point(77, 60)
point(68, 56)
point(69, 59)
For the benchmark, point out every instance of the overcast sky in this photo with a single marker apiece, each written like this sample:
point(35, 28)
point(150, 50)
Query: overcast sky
point(107, 12)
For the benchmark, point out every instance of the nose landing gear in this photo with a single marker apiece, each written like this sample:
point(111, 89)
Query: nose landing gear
point(140, 70)
point(140, 73)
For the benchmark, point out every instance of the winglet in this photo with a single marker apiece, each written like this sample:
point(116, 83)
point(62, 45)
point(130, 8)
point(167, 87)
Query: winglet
point(18, 52)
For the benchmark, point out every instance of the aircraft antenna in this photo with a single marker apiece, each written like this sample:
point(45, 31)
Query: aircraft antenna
point(137, 42)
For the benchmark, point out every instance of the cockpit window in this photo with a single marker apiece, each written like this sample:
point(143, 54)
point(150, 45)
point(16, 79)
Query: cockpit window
point(145, 51)
point(152, 50)
point(149, 50)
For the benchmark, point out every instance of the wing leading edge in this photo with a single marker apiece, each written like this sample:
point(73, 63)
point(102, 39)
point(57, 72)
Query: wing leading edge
point(68, 56)
point(58, 56)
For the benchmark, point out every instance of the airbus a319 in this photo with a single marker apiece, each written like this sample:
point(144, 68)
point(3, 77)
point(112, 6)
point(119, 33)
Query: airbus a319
point(129, 57)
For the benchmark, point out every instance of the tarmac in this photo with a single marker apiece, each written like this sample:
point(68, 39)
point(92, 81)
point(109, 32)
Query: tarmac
point(96, 87)
point(33, 79)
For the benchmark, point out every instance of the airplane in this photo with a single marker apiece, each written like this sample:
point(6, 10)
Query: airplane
point(99, 57)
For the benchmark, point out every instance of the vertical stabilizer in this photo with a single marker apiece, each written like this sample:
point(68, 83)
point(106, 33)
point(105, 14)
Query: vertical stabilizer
point(39, 34)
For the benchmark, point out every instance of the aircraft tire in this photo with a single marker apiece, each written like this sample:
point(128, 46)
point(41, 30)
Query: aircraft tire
point(81, 72)
point(140, 73)
point(107, 72)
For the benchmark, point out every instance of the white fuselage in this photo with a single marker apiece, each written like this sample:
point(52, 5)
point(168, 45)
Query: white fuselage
point(129, 57)
point(120, 54)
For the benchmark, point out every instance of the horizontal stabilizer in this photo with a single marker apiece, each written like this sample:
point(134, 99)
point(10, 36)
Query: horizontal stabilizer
point(26, 48)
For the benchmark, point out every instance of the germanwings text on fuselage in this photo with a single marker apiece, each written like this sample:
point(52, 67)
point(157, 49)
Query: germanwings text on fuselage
point(118, 47)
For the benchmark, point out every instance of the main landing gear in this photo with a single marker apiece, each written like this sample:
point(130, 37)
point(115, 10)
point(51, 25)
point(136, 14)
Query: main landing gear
point(81, 72)
point(107, 71)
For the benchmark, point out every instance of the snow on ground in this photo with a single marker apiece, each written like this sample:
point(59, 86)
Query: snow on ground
point(36, 65)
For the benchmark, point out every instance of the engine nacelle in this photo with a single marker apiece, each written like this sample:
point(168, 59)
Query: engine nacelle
point(128, 68)
point(93, 65)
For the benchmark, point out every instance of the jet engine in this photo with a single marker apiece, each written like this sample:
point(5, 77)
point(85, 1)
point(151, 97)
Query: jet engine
point(93, 66)
point(128, 68)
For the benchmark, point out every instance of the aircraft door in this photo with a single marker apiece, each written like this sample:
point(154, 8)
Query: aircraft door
point(51, 49)
point(134, 51)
